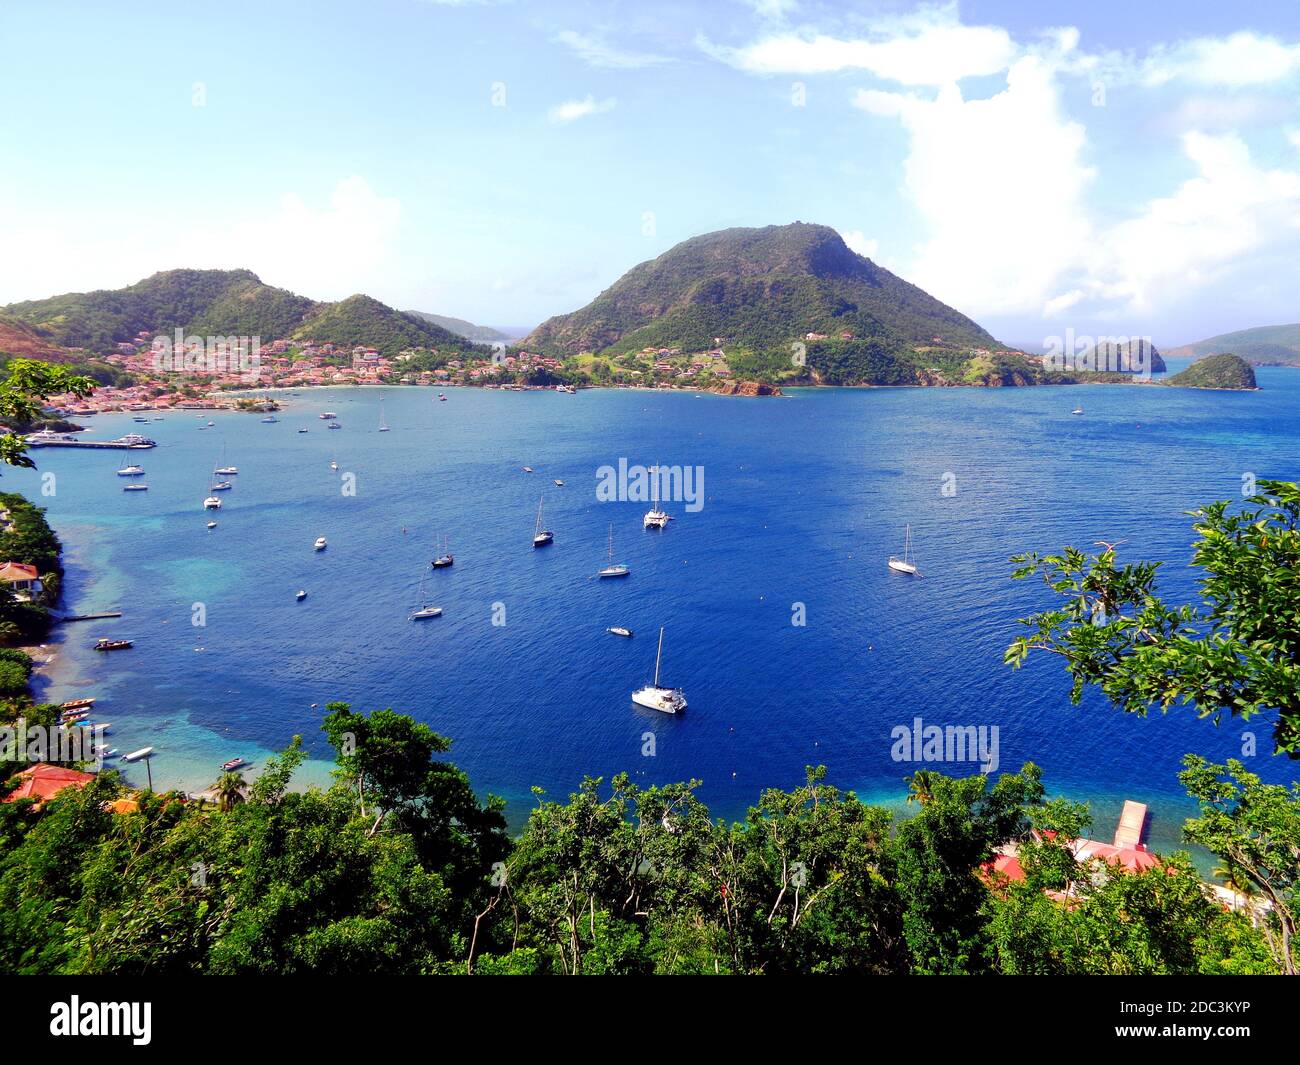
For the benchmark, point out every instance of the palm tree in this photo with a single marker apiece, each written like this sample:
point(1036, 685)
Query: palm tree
point(230, 791)
point(920, 785)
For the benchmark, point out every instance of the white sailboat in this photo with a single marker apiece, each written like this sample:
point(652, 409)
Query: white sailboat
point(383, 425)
point(1078, 409)
point(613, 569)
point(541, 536)
point(905, 564)
point(654, 696)
point(424, 610)
point(655, 518)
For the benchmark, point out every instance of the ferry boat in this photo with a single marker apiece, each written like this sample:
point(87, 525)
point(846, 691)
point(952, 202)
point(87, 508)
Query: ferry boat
point(655, 696)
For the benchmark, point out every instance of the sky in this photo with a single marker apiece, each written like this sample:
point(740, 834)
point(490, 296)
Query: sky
point(1110, 168)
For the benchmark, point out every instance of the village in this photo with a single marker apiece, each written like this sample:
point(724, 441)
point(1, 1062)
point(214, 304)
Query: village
point(234, 379)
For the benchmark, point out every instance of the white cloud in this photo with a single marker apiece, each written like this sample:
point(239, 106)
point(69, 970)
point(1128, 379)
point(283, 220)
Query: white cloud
point(572, 110)
point(599, 53)
point(1242, 58)
point(1294, 137)
point(325, 251)
point(859, 243)
point(998, 184)
point(929, 47)
point(1212, 225)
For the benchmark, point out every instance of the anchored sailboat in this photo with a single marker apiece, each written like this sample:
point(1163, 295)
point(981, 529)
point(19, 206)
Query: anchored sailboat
point(445, 559)
point(613, 569)
point(905, 564)
point(425, 609)
point(654, 696)
point(655, 518)
point(541, 536)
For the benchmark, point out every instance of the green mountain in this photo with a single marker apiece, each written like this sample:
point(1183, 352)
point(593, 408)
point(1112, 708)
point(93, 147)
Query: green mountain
point(761, 290)
point(1263, 345)
point(211, 303)
point(1216, 371)
point(479, 334)
point(216, 302)
point(364, 320)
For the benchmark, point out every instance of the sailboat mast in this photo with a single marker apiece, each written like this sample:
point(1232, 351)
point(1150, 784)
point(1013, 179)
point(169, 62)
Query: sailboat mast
point(659, 655)
point(611, 545)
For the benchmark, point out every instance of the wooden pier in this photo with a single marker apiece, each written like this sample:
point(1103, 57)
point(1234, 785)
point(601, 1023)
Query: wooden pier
point(91, 617)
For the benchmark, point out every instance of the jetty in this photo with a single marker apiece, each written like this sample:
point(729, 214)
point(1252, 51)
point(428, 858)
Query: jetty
point(90, 617)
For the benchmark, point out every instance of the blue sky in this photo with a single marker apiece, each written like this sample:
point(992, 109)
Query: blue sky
point(1102, 167)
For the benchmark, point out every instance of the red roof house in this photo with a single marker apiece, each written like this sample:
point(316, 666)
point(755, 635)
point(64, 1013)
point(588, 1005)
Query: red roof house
point(43, 781)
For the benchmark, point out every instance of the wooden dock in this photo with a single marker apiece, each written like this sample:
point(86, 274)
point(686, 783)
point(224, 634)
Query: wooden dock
point(91, 617)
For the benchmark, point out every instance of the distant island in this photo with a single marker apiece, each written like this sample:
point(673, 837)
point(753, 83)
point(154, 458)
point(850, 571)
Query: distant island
point(1227, 372)
point(1267, 345)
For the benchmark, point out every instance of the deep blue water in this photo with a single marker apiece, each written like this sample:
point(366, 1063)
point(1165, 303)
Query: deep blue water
point(806, 497)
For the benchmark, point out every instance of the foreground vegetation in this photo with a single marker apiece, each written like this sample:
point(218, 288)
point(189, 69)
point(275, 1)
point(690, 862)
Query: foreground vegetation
point(398, 868)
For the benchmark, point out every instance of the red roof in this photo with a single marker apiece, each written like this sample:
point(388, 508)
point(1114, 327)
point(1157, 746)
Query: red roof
point(17, 571)
point(44, 781)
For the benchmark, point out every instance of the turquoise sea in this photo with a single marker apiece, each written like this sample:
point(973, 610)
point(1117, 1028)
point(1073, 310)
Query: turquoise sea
point(805, 498)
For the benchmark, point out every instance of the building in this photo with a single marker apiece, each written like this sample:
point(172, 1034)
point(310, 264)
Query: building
point(22, 580)
point(43, 781)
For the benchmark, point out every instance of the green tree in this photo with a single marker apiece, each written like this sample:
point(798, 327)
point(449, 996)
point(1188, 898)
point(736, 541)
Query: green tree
point(1237, 651)
point(1255, 829)
point(26, 385)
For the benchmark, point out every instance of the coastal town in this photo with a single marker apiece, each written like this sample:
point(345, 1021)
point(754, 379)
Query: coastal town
point(232, 379)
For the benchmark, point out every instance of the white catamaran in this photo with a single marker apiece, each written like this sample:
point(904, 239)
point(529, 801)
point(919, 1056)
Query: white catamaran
point(655, 518)
point(906, 564)
point(654, 696)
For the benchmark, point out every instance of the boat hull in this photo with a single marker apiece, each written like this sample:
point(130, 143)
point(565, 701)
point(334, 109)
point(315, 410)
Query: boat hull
point(665, 700)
